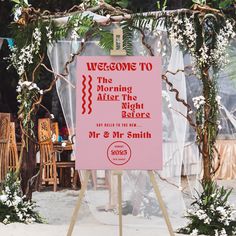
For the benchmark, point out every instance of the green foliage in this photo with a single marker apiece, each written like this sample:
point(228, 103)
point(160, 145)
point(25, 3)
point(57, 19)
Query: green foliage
point(211, 214)
point(81, 24)
point(13, 206)
point(163, 6)
point(127, 37)
point(106, 39)
point(20, 3)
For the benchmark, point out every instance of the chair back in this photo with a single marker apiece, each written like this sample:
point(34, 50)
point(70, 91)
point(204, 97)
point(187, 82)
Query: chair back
point(4, 143)
point(44, 130)
point(12, 161)
point(47, 162)
point(47, 155)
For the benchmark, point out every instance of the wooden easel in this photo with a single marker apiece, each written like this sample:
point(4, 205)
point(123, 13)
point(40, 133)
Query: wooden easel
point(119, 51)
point(119, 176)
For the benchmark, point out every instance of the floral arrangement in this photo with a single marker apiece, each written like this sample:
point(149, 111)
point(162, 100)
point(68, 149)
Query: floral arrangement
point(183, 30)
point(211, 213)
point(28, 92)
point(13, 206)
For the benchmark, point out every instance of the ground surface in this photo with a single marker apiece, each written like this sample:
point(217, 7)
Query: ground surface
point(57, 208)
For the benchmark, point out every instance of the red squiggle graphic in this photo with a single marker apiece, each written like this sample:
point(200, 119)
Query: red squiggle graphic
point(90, 94)
point(84, 95)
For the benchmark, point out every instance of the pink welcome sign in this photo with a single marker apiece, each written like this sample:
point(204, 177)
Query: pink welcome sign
point(118, 117)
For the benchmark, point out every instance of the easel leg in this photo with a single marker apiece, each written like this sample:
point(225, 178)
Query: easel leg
point(120, 203)
point(78, 204)
point(161, 203)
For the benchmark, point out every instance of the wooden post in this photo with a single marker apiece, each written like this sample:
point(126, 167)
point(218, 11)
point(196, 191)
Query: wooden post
point(79, 202)
point(161, 202)
point(119, 176)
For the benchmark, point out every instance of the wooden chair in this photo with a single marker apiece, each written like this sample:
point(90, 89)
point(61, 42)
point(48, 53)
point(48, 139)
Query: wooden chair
point(48, 171)
point(12, 161)
point(4, 143)
point(48, 156)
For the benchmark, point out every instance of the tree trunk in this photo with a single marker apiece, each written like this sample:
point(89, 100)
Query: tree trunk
point(205, 132)
point(28, 169)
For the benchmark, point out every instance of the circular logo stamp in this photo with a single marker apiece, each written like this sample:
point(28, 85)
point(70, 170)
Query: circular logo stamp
point(119, 153)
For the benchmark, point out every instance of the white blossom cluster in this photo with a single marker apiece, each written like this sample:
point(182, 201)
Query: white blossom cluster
point(37, 39)
point(194, 232)
point(185, 27)
point(198, 101)
point(225, 214)
point(174, 30)
point(190, 31)
point(27, 86)
point(203, 58)
point(20, 59)
point(219, 55)
point(220, 232)
point(10, 198)
point(49, 34)
point(201, 214)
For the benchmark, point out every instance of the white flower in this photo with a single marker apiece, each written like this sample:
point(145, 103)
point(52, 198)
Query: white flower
point(223, 233)
point(207, 220)
point(7, 190)
point(3, 198)
point(6, 220)
point(198, 101)
point(194, 232)
point(18, 200)
point(18, 89)
point(49, 34)
point(37, 35)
